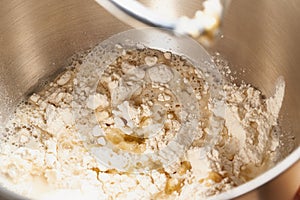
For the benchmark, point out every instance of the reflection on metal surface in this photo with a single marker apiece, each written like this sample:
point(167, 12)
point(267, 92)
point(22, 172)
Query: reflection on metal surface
point(37, 37)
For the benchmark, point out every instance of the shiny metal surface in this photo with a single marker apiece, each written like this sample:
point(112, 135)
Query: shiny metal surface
point(38, 37)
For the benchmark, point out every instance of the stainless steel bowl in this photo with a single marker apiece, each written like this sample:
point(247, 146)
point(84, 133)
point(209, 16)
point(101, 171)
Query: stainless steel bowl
point(262, 37)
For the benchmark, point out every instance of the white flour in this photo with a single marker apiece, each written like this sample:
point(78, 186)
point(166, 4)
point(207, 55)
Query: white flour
point(139, 107)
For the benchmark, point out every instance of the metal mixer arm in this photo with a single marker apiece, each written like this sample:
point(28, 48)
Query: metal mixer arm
point(205, 21)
